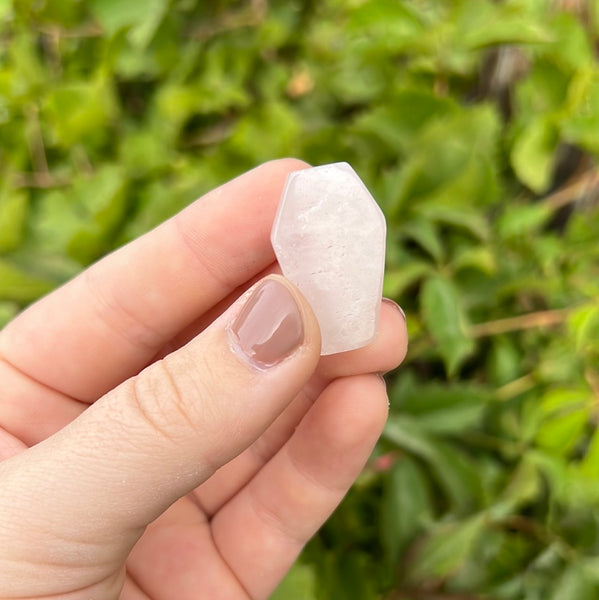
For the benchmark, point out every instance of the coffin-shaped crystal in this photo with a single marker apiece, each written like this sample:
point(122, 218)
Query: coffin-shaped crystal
point(329, 239)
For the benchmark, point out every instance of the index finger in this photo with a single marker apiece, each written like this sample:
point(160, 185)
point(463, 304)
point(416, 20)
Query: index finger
point(109, 322)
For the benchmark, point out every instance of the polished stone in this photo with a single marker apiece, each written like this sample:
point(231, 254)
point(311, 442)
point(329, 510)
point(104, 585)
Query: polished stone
point(329, 239)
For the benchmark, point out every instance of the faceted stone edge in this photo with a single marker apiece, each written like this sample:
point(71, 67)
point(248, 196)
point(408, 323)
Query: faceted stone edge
point(276, 247)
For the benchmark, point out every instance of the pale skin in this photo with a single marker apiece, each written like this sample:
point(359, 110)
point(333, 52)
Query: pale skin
point(196, 476)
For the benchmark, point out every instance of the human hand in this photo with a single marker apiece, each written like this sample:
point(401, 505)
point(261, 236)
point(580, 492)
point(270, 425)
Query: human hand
point(144, 454)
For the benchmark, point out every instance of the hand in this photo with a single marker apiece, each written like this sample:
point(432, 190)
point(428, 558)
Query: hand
point(160, 439)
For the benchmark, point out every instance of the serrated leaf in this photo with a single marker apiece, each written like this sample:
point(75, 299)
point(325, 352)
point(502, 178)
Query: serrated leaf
point(442, 314)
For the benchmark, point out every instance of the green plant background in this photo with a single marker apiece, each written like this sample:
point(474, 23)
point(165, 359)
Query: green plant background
point(475, 124)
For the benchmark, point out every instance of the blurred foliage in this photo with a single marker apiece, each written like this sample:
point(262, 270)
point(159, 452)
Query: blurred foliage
point(475, 125)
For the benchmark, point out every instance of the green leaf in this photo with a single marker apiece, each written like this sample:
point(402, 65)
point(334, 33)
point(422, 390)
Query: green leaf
point(13, 213)
point(479, 258)
point(457, 476)
point(442, 314)
point(299, 584)
point(143, 152)
point(584, 324)
point(504, 363)
point(102, 198)
point(533, 154)
point(346, 575)
point(406, 508)
point(398, 279)
point(523, 487)
point(275, 125)
point(27, 76)
point(163, 198)
point(390, 24)
point(143, 17)
point(19, 286)
point(451, 163)
point(589, 466)
point(6, 10)
point(522, 219)
point(542, 94)
point(399, 123)
point(426, 235)
point(8, 310)
point(447, 549)
point(80, 111)
point(581, 115)
point(571, 44)
point(574, 583)
point(564, 414)
point(83, 221)
point(489, 25)
point(459, 217)
point(449, 408)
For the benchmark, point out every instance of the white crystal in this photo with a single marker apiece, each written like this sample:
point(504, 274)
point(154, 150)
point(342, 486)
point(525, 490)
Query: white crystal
point(329, 239)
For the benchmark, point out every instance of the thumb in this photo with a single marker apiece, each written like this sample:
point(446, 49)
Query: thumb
point(160, 434)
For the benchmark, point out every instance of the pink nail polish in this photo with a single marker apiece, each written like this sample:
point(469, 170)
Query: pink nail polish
point(269, 327)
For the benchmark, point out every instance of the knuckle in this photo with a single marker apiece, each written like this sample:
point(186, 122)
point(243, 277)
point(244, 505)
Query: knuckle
point(176, 398)
point(160, 401)
point(112, 311)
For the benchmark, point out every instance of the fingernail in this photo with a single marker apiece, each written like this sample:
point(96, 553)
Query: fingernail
point(381, 376)
point(269, 327)
point(396, 306)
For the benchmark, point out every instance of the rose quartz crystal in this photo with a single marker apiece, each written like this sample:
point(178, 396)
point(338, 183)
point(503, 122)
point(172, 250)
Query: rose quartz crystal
point(329, 239)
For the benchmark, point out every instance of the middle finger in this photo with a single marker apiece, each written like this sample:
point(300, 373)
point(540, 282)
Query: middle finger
point(383, 354)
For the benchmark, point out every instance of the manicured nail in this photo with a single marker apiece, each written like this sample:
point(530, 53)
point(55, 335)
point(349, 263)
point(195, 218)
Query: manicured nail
point(381, 376)
point(269, 327)
point(396, 306)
